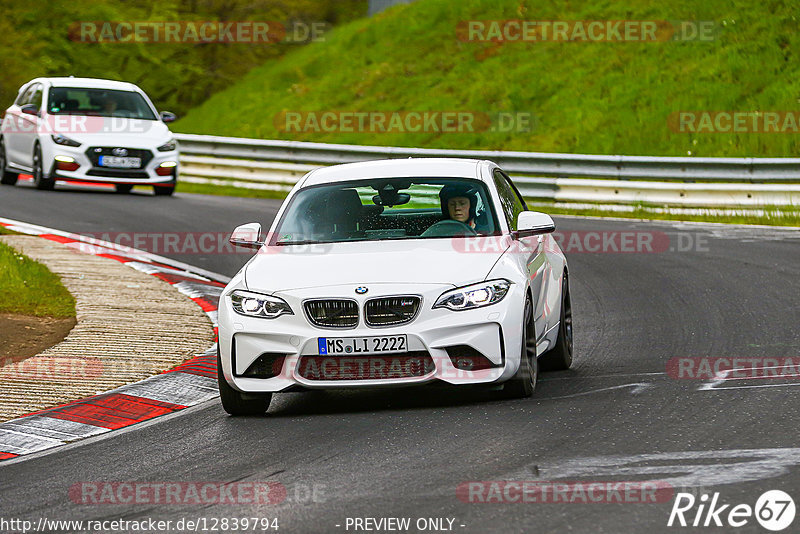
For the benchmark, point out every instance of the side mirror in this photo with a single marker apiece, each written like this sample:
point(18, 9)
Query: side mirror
point(247, 236)
point(530, 223)
point(30, 109)
point(166, 116)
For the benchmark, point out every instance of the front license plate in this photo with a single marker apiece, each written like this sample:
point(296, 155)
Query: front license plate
point(362, 345)
point(120, 162)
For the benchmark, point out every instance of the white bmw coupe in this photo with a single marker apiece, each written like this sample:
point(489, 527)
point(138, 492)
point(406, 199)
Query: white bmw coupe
point(395, 273)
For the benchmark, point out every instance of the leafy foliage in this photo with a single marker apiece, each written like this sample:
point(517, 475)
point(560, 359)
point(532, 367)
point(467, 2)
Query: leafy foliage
point(39, 38)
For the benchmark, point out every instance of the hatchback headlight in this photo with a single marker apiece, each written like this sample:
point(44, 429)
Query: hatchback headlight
point(474, 296)
point(63, 140)
point(258, 305)
point(169, 146)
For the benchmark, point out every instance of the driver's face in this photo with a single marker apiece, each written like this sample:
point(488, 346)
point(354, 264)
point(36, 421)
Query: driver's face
point(458, 207)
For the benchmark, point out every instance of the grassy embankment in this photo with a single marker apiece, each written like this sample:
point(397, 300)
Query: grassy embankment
point(603, 98)
point(29, 288)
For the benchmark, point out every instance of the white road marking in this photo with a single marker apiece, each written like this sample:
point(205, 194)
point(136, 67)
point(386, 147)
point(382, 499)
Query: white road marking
point(638, 387)
point(620, 375)
point(685, 469)
point(723, 376)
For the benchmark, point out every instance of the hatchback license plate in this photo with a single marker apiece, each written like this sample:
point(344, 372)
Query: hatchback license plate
point(362, 345)
point(120, 162)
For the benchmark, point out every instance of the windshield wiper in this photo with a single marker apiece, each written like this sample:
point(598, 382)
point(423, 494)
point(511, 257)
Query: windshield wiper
point(302, 242)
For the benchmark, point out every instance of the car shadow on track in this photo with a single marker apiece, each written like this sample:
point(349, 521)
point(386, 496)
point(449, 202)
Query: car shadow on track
point(400, 398)
point(62, 187)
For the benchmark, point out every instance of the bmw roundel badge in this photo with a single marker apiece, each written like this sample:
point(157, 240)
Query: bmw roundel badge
point(360, 290)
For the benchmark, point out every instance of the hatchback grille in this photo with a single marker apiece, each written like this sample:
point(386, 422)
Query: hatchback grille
point(94, 153)
point(116, 173)
point(390, 311)
point(332, 313)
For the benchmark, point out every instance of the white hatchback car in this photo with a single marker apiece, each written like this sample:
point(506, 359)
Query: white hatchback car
point(390, 273)
point(87, 130)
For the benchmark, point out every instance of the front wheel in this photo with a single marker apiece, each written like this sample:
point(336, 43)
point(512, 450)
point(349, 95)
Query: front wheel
point(559, 358)
point(234, 402)
point(523, 383)
point(6, 177)
point(39, 180)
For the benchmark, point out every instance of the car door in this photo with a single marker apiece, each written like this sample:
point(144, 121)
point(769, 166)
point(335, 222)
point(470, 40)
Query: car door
point(531, 248)
point(29, 126)
point(12, 124)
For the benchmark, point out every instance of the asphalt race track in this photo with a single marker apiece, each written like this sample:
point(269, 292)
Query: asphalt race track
point(617, 416)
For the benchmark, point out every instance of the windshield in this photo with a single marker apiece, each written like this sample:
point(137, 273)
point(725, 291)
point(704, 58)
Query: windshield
point(98, 102)
point(387, 208)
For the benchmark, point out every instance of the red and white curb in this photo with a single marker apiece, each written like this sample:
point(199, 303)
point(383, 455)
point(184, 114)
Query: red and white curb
point(188, 384)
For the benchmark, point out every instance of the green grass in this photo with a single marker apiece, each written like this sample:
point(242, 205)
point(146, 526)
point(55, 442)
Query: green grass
point(29, 288)
point(6, 231)
point(221, 190)
point(772, 216)
point(604, 98)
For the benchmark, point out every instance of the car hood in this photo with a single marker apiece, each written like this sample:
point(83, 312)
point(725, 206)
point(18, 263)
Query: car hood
point(102, 131)
point(421, 261)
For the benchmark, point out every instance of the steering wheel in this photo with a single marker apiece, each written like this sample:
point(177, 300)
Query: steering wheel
point(449, 228)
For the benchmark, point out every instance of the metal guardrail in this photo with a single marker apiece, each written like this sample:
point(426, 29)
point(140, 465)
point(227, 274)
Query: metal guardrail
point(273, 164)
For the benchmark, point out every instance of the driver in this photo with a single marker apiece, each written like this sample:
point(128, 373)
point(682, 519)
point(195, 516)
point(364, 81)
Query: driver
point(109, 105)
point(459, 203)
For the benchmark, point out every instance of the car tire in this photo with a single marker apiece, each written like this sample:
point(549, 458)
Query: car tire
point(39, 181)
point(559, 358)
point(164, 190)
point(123, 189)
point(523, 382)
point(6, 177)
point(233, 402)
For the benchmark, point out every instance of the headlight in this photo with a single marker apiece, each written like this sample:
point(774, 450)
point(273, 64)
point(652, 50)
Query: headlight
point(170, 145)
point(64, 140)
point(258, 305)
point(474, 296)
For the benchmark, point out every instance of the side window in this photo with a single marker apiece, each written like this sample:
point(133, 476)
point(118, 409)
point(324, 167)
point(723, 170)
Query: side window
point(517, 195)
point(23, 97)
point(510, 199)
point(36, 97)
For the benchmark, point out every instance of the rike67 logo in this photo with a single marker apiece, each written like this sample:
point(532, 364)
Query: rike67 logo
point(774, 510)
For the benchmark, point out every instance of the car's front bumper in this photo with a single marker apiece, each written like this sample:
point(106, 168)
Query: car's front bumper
point(493, 331)
point(90, 173)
